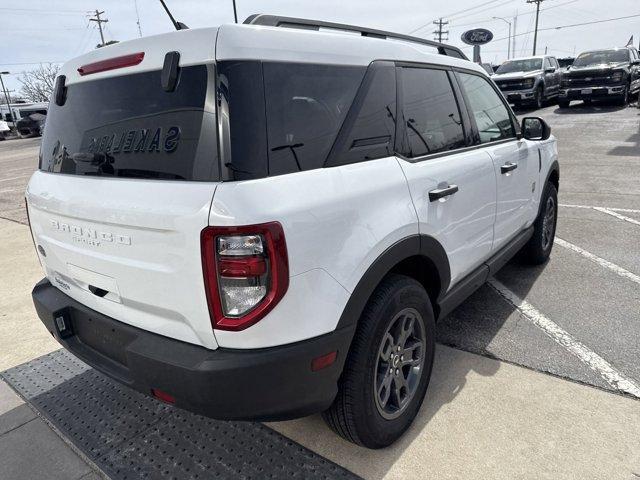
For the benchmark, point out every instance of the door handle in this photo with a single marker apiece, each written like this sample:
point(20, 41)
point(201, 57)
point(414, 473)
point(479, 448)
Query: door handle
point(439, 193)
point(508, 167)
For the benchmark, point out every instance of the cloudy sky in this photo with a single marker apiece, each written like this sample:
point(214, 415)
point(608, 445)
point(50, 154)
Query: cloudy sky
point(37, 31)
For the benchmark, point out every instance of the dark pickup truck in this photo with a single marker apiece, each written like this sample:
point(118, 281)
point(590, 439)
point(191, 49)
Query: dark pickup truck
point(612, 74)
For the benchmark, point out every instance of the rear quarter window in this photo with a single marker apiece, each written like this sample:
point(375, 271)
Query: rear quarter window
point(305, 107)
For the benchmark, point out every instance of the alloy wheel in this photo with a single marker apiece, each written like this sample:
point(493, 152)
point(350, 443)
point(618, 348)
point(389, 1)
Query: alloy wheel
point(548, 223)
point(400, 362)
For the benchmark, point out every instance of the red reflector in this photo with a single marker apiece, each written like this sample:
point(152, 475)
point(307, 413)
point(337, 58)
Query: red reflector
point(111, 63)
point(242, 267)
point(163, 396)
point(323, 361)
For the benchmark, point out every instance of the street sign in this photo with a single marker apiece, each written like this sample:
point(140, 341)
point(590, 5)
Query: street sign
point(477, 36)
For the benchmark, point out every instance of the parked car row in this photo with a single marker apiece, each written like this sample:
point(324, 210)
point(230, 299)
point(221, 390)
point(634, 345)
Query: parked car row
point(609, 74)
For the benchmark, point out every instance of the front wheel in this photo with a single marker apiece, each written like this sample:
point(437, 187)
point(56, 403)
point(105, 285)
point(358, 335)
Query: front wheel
point(538, 249)
point(539, 97)
point(624, 98)
point(387, 371)
point(564, 103)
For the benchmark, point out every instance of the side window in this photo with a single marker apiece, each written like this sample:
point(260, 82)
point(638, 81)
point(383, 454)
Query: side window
point(547, 63)
point(555, 63)
point(487, 108)
point(305, 106)
point(369, 129)
point(431, 118)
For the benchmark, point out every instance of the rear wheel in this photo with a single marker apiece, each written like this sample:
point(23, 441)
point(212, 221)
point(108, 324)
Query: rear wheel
point(388, 368)
point(538, 249)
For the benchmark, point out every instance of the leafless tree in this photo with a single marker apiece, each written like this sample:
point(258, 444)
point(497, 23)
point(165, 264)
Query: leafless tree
point(37, 85)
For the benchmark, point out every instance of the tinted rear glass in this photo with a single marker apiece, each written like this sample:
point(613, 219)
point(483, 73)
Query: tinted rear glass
point(282, 117)
point(305, 107)
point(128, 126)
point(431, 116)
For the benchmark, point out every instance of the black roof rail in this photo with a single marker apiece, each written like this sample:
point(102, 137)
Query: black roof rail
point(291, 22)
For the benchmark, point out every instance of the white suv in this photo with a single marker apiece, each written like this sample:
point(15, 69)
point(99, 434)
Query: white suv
point(258, 222)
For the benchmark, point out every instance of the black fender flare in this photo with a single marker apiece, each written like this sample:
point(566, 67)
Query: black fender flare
point(414, 245)
point(555, 167)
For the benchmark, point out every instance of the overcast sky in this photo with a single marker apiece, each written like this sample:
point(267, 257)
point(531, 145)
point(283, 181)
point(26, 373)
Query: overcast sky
point(36, 31)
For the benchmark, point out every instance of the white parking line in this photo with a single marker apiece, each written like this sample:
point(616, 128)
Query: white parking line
point(589, 207)
point(616, 379)
point(608, 211)
point(599, 260)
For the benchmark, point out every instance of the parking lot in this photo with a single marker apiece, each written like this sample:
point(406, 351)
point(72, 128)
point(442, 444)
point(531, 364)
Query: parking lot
point(575, 320)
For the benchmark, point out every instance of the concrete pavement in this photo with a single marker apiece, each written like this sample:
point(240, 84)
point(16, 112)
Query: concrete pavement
point(482, 418)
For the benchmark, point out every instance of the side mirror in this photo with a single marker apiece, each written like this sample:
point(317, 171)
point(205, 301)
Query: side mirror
point(535, 128)
point(550, 70)
point(635, 62)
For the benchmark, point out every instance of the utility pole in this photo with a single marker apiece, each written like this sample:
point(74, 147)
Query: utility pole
point(99, 21)
point(515, 25)
point(439, 33)
point(7, 98)
point(535, 34)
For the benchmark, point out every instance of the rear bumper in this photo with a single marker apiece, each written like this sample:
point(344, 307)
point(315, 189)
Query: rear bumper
point(260, 384)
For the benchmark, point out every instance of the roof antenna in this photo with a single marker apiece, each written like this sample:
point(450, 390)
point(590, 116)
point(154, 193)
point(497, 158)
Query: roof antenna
point(178, 25)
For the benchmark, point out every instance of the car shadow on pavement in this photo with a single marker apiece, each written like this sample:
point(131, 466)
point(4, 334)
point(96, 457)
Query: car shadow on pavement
point(583, 108)
point(471, 327)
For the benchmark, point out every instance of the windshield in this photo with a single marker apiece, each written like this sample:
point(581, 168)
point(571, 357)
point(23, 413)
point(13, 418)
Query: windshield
point(526, 65)
point(601, 57)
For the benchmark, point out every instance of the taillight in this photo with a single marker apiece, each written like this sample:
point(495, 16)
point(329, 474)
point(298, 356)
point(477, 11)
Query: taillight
point(111, 63)
point(246, 272)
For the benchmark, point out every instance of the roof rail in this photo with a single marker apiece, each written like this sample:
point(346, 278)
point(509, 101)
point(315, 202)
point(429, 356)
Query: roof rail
point(291, 22)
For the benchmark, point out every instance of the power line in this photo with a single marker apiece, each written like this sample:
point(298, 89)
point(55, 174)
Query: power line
point(560, 27)
point(453, 14)
point(21, 11)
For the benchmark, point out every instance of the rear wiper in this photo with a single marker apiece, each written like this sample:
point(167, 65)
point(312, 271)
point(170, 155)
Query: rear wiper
point(292, 148)
point(95, 159)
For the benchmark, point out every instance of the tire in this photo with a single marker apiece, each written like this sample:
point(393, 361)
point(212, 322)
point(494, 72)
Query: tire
point(623, 101)
point(564, 103)
point(538, 249)
point(539, 97)
point(356, 414)
point(587, 101)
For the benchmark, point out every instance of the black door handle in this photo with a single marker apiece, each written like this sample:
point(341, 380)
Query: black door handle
point(439, 193)
point(508, 167)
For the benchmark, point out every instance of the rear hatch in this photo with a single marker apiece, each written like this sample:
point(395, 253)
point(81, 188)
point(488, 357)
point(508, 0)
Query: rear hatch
point(128, 169)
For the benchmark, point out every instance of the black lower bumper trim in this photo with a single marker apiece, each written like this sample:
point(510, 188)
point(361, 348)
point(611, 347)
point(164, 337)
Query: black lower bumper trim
point(260, 384)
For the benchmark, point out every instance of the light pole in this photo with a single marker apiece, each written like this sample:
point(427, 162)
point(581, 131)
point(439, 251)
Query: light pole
point(6, 97)
point(509, 43)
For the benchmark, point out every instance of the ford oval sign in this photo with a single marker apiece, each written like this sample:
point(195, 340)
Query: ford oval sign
point(477, 36)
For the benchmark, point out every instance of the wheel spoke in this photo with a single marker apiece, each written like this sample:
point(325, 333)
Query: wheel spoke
point(388, 347)
point(406, 329)
point(409, 354)
point(384, 390)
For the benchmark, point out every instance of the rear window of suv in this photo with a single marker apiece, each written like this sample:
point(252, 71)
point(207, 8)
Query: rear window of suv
point(128, 126)
point(282, 117)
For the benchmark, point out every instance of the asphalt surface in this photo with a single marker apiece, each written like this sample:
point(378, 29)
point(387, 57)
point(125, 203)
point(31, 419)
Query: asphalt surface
point(595, 304)
point(599, 150)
